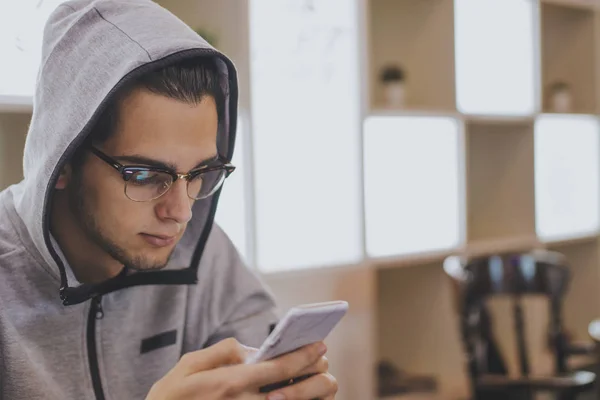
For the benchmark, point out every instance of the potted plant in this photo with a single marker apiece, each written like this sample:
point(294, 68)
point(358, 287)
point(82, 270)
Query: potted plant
point(393, 79)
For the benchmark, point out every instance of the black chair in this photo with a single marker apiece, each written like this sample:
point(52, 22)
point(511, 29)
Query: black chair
point(539, 272)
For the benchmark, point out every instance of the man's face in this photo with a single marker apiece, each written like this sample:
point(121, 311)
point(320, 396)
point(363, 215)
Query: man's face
point(142, 235)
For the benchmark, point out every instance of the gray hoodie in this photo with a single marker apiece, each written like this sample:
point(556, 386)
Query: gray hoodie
point(60, 339)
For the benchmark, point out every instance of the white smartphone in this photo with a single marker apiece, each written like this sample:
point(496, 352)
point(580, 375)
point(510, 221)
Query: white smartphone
point(302, 325)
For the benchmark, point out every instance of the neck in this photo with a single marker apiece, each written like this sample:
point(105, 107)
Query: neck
point(89, 262)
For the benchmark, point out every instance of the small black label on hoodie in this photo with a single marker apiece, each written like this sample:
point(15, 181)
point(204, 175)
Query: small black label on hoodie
point(158, 341)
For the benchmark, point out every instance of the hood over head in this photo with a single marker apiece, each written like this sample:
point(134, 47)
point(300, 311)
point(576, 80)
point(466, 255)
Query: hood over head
point(91, 48)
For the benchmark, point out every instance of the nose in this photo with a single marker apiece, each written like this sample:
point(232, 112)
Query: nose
point(175, 204)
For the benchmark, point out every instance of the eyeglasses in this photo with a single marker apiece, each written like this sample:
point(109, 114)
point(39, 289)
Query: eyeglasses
point(144, 183)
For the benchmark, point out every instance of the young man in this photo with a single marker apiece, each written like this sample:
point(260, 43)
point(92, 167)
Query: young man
point(114, 281)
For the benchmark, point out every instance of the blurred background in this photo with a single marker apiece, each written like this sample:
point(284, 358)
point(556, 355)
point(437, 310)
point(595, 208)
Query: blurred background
point(436, 163)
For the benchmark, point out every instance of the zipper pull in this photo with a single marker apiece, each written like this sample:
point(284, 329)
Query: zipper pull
point(99, 310)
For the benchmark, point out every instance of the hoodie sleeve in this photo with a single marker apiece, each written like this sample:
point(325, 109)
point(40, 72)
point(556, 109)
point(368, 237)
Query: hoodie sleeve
point(241, 302)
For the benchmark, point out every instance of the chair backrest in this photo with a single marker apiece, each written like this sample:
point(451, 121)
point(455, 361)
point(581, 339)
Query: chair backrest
point(538, 272)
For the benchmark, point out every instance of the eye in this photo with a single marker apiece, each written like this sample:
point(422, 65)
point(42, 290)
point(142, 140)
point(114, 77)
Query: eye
point(148, 178)
point(140, 176)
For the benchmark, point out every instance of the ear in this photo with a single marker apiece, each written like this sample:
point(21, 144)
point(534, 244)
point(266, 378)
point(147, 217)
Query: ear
point(64, 178)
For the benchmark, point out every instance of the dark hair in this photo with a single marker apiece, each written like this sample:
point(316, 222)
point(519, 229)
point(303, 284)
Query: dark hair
point(189, 81)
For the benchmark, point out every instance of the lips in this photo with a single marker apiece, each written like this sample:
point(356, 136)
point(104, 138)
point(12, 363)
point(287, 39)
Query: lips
point(158, 240)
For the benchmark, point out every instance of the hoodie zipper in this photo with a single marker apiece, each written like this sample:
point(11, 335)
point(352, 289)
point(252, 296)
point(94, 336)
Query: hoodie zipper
point(96, 313)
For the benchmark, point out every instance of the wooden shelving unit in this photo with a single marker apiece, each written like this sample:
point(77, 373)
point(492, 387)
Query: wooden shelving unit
point(414, 313)
point(15, 105)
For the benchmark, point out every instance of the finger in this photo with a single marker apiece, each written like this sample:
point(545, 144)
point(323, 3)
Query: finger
point(218, 383)
point(320, 367)
point(320, 386)
point(285, 367)
point(226, 352)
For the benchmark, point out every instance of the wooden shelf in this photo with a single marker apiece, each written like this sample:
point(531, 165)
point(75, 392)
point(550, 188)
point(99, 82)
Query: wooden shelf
point(578, 4)
point(474, 248)
point(501, 245)
point(499, 119)
point(481, 119)
point(572, 240)
point(16, 104)
point(390, 112)
point(411, 260)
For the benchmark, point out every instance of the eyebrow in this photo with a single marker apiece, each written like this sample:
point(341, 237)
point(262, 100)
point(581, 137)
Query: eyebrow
point(141, 160)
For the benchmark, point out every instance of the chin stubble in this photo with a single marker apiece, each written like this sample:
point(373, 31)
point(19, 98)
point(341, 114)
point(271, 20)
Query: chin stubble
point(83, 211)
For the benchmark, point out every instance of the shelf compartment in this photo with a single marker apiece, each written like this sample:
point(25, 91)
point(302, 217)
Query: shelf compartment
point(500, 181)
point(419, 37)
point(568, 58)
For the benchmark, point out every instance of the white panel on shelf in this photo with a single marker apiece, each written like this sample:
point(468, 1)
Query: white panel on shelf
point(567, 166)
point(412, 184)
point(21, 30)
point(231, 211)
point(306, 132)
point(495, 56)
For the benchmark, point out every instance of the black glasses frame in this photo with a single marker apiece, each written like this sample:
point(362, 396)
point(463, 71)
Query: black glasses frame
point(127, 171)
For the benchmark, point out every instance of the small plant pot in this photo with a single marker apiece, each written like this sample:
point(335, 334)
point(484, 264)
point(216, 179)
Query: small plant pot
point(561, 99)
point(393, 82)
point(395, 94)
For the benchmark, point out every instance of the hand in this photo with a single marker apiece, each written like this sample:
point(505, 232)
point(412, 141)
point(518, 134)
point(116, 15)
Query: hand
point(314, 382)
point(218, 372)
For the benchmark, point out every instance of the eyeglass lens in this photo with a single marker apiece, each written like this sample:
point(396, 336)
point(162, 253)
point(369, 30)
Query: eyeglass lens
point(149, 185)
